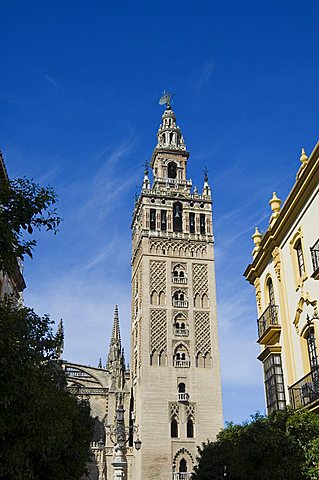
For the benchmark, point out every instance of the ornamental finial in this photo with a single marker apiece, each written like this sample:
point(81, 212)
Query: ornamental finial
point(206, 174)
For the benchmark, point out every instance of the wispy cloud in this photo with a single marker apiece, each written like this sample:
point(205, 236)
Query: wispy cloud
point(112, 178)
point(51, 81)
point(205, 76)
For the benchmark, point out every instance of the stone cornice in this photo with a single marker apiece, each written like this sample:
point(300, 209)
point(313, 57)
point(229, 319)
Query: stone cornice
point(297, 198)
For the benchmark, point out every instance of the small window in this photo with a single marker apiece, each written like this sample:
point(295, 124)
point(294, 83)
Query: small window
point(181, 387)
point(152, 219)
point(163, 220)
point(300, 259)
point(174, 428)
point(192, 222)
point(202, 224)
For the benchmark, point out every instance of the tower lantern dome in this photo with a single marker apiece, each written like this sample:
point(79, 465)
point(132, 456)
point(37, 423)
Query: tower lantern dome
point(169, 135)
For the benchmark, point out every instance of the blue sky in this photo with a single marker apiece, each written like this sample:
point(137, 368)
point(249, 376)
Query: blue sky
point(79, 90)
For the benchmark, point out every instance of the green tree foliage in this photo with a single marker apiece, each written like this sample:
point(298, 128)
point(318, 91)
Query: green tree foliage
point(24, 206)
point(44, 430)
point(279, 447)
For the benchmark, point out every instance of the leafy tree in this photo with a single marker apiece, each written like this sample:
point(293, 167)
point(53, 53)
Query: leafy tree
point(24, 206)
point(279, 447)
point(44, 430)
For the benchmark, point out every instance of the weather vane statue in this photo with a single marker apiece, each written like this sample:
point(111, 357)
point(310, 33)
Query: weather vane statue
point(205, 174)
point(166, 99)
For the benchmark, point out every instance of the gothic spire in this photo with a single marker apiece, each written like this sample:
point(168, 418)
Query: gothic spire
point(115, 350)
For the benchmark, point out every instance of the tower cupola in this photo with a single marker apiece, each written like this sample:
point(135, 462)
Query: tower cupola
point(169, 135)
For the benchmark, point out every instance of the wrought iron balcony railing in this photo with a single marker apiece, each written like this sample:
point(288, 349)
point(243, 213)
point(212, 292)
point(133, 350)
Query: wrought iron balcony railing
point(267, 319)
point(315, 256)
point(305, 391)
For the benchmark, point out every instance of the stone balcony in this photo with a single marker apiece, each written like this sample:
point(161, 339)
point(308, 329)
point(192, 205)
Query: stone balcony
point(179, 280)
point(181, 332)
point(182, 363)
point(182, 397)
point(180, 303)
point(182, 476)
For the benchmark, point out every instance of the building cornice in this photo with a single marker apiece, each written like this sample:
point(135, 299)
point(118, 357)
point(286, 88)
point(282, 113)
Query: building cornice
point(297, 198)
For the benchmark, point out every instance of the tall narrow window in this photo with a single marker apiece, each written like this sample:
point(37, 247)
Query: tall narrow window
point(271, 295)
point(177, 217)
point(152, 219)
point(190, 428)
point(274, 383)
point(174, 428)
point(192, 222)
point(312, 349)
point(300, 259)
point(163, 220)
point(202, 223)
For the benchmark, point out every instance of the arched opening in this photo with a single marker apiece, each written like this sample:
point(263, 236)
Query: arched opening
point(181, 357)
point(172, 170)
point(197, 300)
point(154, 298)
point(190, 428)
point(174, 427)
point(205, 301)
point(182, 466)
point(162, 298)
point(177, 217)
point(181, 387)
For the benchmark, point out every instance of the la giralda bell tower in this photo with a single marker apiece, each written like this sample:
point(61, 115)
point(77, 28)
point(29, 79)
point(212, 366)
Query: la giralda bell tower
point(174, 337)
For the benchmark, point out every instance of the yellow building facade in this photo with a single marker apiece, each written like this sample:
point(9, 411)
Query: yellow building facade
point(285, 274)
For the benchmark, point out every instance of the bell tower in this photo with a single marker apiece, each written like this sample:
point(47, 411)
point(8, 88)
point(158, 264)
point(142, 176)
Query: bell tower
point(174, 337)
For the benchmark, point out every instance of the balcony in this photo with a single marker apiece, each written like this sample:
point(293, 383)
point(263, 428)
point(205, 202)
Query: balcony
point(315, 260)
point(182, 397)
point(305, 392)
point(181, 332)
point(182, 363)
point(180, 303)
point(268, 327)
point(179, 280)
point(182, 476)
